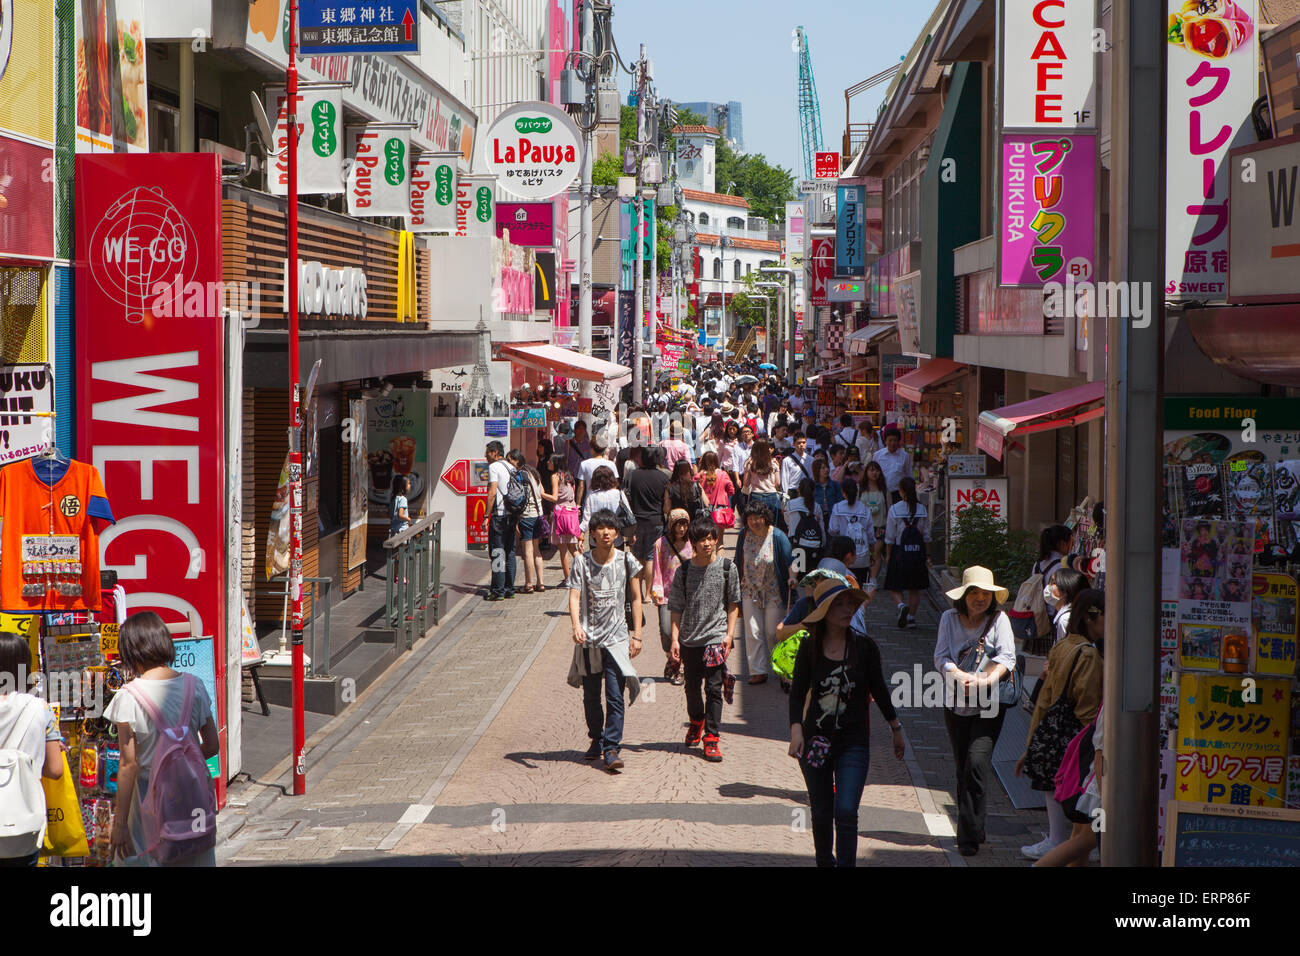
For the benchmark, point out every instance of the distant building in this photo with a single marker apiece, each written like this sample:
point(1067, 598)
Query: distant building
point(696, 155)
point(722, 115)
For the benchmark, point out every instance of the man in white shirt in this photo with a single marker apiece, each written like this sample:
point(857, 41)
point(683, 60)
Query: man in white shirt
point(851, 434)
point(501, 526)
point(599, 459)
point(796, 466)
point(893, 461)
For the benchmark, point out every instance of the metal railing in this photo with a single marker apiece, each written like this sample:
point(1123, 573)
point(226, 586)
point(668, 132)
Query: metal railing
point(320, 608)
point(413, 578)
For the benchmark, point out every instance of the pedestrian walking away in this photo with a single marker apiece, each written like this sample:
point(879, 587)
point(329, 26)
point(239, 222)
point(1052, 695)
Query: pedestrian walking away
point(705, 605)
point(907, 561)
point(851, 518)
point(531, 524)
point(765, 570)
point(645, 488)
point(837, 672)
point(566, 527)
point(601, 586)
point(974, 651)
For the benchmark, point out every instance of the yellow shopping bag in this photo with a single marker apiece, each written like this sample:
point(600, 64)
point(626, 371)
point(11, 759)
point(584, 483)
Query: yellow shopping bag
point(66, 833)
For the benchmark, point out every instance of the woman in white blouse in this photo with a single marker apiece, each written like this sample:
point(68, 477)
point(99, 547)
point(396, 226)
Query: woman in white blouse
point(604, 494)
point(971, 674)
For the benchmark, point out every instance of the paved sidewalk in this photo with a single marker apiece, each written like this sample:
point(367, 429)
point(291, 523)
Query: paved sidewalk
point(468, 752)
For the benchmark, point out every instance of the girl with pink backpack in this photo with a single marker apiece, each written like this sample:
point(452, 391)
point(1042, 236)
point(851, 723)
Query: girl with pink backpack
point(166, 802)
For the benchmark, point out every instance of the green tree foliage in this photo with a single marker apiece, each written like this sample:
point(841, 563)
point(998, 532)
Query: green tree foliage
point(980, 537)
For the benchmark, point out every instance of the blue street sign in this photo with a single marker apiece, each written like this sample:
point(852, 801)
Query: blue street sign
point(358, 26)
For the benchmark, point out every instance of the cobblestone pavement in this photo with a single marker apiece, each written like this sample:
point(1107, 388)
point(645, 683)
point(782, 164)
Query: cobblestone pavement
point(468, 752)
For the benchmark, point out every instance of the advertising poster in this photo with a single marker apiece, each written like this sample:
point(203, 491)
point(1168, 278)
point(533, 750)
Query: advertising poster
point(1168, 775)
point(1213, 81)
point(27, 69)
point(1049, 188)
point(320, 144)
point(397, 441)
point(358, 485)
point(379, 178)
point(1274, 614)
point(1230, 750)
point(25, 389)
point(1286, 503)
point(1248, 486)
point(112, 95)
point(476, 529)
point(433, 193)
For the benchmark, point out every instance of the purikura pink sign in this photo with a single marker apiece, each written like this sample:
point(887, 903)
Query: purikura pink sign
point(1049, 196)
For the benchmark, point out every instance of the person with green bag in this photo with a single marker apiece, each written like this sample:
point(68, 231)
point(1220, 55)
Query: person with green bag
point(30, 743)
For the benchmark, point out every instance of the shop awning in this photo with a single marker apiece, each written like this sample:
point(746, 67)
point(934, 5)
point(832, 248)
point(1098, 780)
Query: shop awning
point(932, 374)
point(1057, 410)
point(836, 371)
point(859, 342)
point(550, 358)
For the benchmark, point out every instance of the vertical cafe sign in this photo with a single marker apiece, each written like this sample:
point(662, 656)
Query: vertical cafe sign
point(1048, 153)
point(151, 385)
point(795, 213)
point(1213, 83)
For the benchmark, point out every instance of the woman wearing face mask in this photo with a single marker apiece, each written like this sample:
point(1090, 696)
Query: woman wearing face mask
point(975, 649)
point(1066, 585)
point(837, 672)
point(1074, 676)
point(1088, 623)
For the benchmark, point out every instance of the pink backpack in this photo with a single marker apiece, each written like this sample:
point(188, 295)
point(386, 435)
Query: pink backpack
point(179, 812)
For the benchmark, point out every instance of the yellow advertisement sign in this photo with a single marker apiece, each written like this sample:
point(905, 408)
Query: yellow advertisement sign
point(108, 640)
point(27, 69)
point(1232, 739)
point(1275, 610)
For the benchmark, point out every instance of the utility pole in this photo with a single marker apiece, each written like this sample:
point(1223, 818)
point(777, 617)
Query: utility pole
point(588, 148)
point(638, 326)
point(1134, 439)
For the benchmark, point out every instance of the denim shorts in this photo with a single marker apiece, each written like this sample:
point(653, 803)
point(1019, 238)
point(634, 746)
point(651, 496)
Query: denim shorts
point(528, 528)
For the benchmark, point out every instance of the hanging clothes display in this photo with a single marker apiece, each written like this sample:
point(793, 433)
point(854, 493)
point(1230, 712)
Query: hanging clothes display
point(53, 511)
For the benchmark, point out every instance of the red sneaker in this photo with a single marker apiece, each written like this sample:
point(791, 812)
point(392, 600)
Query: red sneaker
point(694, 732)
point(711, 751)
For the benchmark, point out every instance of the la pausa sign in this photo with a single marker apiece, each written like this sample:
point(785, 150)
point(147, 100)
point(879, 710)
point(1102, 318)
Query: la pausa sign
point(534, 150)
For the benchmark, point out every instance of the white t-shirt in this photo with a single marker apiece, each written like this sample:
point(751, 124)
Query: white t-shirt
point(499, 474)
point(895, 465)
point(854, 521)
point(592, 465)
point(167, 696)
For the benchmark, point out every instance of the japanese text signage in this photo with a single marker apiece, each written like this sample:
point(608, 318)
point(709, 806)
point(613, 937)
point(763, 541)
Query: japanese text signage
point(379, 183)
point(795, 212)
point(1274, 615)
point(151, 390)
point(534, 149)
point(26, 403)
point(851, 231)
point(433, 193)
point(1213, 83)
point(358, 26)
point(1048, 219)
point(1232, 740)
point(530, 223)
point(1049, 78)
point(319, 116)
point(828, 165)
point(823, 266)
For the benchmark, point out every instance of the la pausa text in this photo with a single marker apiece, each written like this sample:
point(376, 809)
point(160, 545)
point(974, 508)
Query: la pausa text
point(526, 151)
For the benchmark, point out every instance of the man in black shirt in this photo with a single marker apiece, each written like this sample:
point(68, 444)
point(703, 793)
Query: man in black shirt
point(645, 487)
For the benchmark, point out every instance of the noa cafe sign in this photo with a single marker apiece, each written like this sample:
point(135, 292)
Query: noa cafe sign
point(534, 150)
point(964, 493)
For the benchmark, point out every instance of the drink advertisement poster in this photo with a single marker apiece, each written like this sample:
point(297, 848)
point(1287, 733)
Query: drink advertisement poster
point(397, 438)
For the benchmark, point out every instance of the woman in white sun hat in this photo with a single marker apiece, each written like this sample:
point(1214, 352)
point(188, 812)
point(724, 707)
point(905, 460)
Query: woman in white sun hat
point(974, 651)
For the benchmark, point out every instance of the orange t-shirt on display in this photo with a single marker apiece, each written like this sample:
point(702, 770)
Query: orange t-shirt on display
point(74, 509)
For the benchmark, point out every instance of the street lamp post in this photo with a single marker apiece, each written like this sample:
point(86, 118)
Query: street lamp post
point(785, 273)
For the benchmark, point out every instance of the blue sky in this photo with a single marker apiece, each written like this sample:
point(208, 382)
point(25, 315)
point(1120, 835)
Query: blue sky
point(723, 50)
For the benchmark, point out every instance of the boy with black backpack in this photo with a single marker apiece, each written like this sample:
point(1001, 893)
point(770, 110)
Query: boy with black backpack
point(907, 532)
point(704, 601)
point(507, 493)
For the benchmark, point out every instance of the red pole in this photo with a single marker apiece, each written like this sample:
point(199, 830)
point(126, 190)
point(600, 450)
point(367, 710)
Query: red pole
point(295, 453)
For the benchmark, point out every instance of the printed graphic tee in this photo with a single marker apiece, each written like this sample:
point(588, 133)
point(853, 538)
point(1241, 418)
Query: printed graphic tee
point(52, 516)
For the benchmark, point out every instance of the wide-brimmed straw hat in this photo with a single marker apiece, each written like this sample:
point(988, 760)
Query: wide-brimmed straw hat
point(978, 577)
point(826, 594)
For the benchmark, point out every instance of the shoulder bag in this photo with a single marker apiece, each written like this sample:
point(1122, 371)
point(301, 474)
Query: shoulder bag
point(723, 515)
point(1053, 735)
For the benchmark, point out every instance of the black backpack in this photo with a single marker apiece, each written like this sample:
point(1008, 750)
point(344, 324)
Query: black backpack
point(810, 539)
point(911, 546)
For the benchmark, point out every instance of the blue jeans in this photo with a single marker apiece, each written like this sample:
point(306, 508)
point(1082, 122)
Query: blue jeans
point(834, 792)
point(604, 725)
point(501, 548)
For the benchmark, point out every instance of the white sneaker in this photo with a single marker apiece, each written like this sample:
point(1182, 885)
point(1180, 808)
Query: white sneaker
point(1038, 850)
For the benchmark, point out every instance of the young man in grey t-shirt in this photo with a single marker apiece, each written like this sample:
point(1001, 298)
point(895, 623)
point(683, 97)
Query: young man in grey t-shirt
point(598, 591)
point(704, 601)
